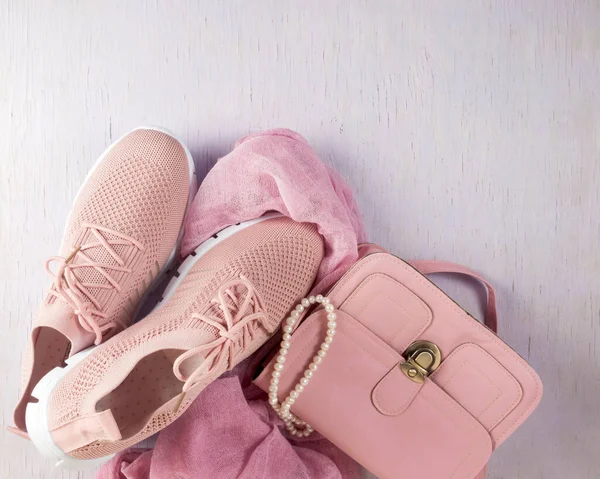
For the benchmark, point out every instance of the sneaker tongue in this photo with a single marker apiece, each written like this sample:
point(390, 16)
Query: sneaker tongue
point(59, 315)
point(189, 365)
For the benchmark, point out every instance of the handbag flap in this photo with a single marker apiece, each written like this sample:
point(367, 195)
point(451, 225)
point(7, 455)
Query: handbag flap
point(394, 393)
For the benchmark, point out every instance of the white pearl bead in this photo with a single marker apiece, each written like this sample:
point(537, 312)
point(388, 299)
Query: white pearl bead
point(326, 300)
point(331, 324)
point(284, 352)
point(288, 328)
point(325, 346)
point(328, 339)
point(308, 374)
point(319, 298)
point(304, 381)
point(273, 388)
point(290, 321)
point(322, 353)
point(291, 401)
point(329, 308)
point(273, 401)
point(300, 308)
point(278, 367)
point(295, 314)
point(331, 317)
point(311, 299)
point(294, 394)
point(275, 374)
point(274, 381)
point(317, 359)
point(299, 388)
point(305, 302)
point(330, 332)
point(285, 344)
point(281, 359)
point(313, 366)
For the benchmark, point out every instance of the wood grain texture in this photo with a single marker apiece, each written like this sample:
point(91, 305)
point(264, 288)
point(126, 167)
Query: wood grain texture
point(470, 131)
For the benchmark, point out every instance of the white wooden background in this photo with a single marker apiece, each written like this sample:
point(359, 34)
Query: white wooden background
point(470, 131)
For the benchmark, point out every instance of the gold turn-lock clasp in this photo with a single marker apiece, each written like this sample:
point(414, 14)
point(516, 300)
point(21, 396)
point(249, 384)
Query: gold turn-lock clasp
point(422, 358)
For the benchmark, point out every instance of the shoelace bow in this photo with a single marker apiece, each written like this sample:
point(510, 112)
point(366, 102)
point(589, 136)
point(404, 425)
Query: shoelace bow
point(228, 332)
point(76, 293)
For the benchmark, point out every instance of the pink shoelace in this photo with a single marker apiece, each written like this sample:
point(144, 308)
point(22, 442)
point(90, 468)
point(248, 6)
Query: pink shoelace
point(228, 301)
point(76, 293)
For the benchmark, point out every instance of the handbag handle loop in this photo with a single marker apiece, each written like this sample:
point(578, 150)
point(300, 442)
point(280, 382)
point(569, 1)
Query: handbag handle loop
point(433, 267)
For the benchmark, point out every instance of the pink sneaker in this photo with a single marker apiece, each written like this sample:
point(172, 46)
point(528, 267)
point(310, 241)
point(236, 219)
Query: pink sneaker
point(121, 235)
point(228, 298)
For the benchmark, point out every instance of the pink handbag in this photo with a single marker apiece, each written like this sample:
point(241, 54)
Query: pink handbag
point(412, 385)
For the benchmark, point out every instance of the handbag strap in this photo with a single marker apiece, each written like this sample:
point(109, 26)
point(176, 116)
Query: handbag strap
point(432, 267)
point(491, 317)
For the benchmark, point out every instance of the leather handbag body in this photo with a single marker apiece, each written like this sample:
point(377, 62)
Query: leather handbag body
point(412, 385)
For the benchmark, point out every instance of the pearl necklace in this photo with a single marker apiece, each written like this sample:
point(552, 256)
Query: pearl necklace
point(291, 421)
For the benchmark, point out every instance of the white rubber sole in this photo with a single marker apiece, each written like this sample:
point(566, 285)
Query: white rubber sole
point(36, 415)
